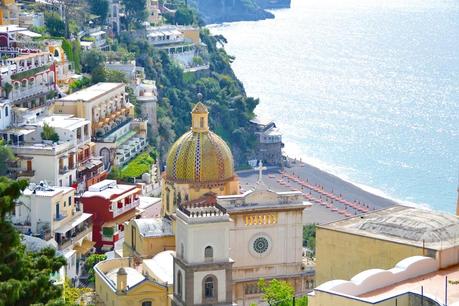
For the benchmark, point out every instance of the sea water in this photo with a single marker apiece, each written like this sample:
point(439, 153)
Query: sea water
point(368, 89)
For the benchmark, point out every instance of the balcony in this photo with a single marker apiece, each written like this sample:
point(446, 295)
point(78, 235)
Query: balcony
point(18, 94)
point(66, 242)
point(125, 208)
point(100, 136)
point(18, 172)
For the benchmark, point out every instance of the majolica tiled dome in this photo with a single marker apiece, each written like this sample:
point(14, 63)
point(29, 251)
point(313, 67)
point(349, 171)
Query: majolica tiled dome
point(199, 155)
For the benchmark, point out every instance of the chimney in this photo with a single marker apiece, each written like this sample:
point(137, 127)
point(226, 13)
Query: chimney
point(121, 280)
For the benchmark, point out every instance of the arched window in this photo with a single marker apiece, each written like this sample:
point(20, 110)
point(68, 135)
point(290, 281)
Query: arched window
point(6, 111)
point(179, 283)
point(210, 288)
point(208, 252)
point(147, 303)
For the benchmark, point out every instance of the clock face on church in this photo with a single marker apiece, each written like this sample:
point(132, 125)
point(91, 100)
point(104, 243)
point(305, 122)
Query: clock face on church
point(260, 245)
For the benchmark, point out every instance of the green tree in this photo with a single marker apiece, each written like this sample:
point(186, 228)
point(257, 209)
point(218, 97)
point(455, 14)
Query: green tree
point(7, 88)
point(309, 237)
point(277, 292)
point(6, 154)
point(76, 55)
point(92, 59)
point(98, 74)
point(24, 276)
point(115, 76)
point(49, 133)
point(91, 261)
point(99, 8)
point(184, 16)
point(54, 24)
point(135, 12)
point(68, 49)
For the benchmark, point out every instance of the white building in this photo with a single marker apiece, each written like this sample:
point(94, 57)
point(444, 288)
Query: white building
point(52, 214)
point(39, 159)
point(147, 96)
point(31, 19)
point(202, 265)
point(118, 136)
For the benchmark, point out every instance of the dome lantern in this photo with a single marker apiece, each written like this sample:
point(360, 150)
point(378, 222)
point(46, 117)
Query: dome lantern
point(200, 118)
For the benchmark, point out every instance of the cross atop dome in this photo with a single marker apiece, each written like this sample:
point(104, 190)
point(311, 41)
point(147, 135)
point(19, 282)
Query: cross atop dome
point(200, 118)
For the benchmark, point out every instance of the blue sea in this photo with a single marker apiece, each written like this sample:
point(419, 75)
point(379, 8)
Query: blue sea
point(366, 89)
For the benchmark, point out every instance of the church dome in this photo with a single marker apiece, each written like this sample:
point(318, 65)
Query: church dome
point(199, 156)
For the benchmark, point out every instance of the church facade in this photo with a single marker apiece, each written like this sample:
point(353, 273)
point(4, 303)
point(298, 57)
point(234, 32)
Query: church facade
point(266, 241)
point(226, 241)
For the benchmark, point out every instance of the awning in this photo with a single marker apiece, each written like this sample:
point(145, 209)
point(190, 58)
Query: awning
point(68, 226)
point(85, 246)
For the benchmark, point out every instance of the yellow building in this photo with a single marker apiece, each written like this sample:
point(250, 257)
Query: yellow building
point(415, 280)
point(123, 282)
point(9, 12)
point(382, 238)
point(147, 237)
point(199, 162)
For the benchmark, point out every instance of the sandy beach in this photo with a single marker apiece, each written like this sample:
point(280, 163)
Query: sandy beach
point(332, 198)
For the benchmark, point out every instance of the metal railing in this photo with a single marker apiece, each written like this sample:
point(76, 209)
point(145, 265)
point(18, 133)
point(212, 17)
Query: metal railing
point(66, 242)
point(126, 208)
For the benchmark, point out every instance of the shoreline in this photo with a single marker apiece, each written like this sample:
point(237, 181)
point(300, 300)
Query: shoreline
point(333, 198)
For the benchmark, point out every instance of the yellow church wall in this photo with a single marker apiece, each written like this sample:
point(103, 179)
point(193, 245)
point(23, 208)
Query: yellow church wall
point(342, 255)
point(146, 247)
point(146, 291)
point(230, 187)
point(327, 299)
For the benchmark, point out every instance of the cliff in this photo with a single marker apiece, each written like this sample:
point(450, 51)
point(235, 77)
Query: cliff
point(273, 4)
point(218, 11)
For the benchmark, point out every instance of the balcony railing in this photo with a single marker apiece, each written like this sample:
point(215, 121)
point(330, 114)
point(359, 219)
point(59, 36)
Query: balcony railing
point(66, 242)
point(100, 136)
point(18, 94)
point(125, 208)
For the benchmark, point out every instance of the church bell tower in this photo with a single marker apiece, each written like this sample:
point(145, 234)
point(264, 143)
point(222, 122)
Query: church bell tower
point(202, 266)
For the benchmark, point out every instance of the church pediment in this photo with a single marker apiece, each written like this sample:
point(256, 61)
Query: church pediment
point(262, 197)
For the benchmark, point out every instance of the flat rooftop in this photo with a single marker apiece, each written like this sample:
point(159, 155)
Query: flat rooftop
point(45, 191)
point(91, 93)
point(403, 224)
point(68, 122)
point(433, 285)
point(108, 189)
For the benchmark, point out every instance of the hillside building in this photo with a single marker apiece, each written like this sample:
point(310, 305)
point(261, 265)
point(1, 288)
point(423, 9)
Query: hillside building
point(380, 239)
point(146, 237)
point(124, 282)
point(52, 214)
point(117, 135)
point(416, 280)
point(112, 205)
point(9, 12)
